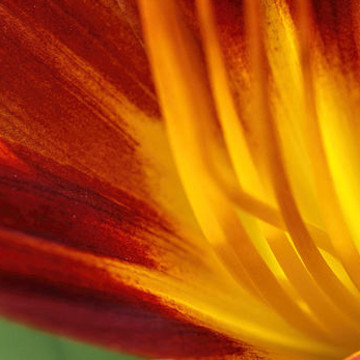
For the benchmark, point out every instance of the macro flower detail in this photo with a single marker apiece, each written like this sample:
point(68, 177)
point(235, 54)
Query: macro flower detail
point(179, 179)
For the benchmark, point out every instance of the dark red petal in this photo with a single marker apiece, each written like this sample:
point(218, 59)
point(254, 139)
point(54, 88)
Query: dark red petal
point(62, 205)
point(76, 178)
point(67, 295)
point(98, 32)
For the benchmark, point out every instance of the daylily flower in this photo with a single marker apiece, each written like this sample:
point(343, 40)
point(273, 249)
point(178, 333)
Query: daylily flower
point(179, 179)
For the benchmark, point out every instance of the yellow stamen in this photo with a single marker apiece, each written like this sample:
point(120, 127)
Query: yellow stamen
point(279, 231)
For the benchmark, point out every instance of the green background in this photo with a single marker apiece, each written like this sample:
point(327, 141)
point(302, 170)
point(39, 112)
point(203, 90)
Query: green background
point(18, 342)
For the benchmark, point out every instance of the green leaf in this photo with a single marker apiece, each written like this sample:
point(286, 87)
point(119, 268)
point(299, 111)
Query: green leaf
point(18, 342)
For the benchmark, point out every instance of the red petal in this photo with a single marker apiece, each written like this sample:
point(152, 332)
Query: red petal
point(68, 279)
point(83, 205)
point(50, 288)
point(42, 36)
point(74, 179)
point(62, 205)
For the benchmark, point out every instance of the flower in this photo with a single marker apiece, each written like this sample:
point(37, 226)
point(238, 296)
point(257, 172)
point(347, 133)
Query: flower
point(178, 179)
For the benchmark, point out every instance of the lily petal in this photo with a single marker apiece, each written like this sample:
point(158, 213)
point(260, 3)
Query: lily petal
point(87, 180)
point(71, 247)
point(97, 237)
point(79, 297)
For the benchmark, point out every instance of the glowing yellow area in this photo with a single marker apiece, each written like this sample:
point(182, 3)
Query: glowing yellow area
point(337, 124)
point(280, 212)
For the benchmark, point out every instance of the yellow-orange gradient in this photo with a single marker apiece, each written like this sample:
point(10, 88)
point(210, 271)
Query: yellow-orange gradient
point(180, 179)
